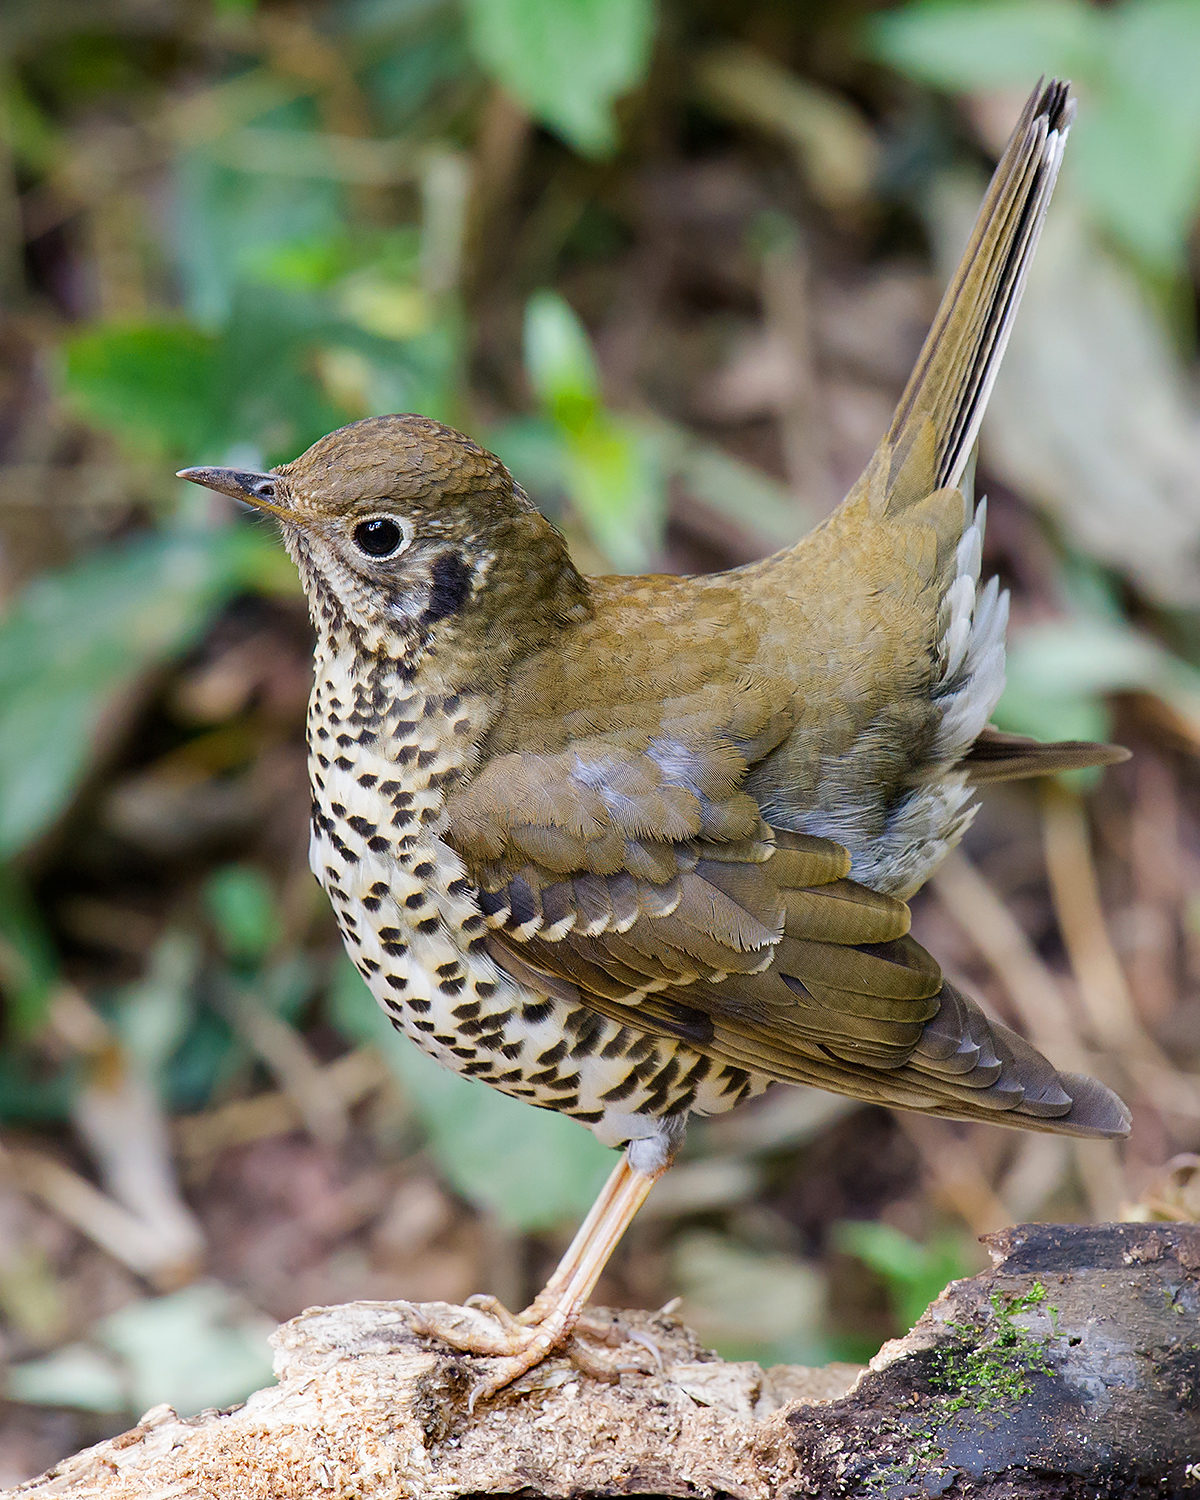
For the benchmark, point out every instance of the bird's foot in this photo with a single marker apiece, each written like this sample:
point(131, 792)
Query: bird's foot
point(597, 1345)
point(518, 1342)
point(486, 1328)
point(600, 1347)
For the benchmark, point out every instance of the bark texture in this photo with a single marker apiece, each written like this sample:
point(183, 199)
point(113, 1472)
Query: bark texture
point(1071, 1368)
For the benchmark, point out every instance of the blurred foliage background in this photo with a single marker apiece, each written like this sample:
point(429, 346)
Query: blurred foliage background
point(672, 261)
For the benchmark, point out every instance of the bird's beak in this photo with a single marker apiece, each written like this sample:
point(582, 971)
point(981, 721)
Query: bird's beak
point(263, 491)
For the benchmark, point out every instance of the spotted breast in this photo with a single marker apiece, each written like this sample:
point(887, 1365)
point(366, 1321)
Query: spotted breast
point(382, 754)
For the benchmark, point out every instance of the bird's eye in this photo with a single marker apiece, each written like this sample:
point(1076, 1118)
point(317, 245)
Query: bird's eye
point(379, 538)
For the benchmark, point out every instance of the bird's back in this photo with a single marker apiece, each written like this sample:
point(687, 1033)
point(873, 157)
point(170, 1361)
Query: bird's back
point(854, 672)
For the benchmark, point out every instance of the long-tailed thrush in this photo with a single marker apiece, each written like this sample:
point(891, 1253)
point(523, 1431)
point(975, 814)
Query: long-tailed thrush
point(635, 848)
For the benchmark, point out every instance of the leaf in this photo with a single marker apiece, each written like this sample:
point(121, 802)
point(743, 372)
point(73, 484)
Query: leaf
point(1059, 673)
point(242, 905)
point(1138, 152)
point(913, 1273)
point(154, 1015)
point(158, 383)
point(74, 638)
point(566, 61)
point(532, 1168)
point(72, 1376)
point(609, 466)
point(1135, 155)
point(31, 1096)
point(196, 1348)
point(559, 361)
point(224, 220)
point(173, 391)
point(967, 44)
point(1093, 417)
point(28, 962)
point(751, 1305)
point(618, 488)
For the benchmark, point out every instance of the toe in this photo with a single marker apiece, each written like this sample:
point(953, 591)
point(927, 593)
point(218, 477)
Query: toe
point(470, 1330)
point(484, 1302)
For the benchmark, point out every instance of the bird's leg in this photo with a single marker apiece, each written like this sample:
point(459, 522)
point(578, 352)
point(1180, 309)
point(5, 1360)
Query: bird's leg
point(578, 1247)
point(520, 1343)
point(553, 1314)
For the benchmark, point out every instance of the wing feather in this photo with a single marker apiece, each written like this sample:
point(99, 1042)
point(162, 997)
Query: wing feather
point(746, 942)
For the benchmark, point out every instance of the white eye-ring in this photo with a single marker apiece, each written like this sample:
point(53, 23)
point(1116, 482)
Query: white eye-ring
point(381, 538)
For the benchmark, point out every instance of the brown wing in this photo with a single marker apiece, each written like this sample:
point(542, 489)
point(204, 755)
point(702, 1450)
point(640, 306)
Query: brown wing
point(747, 942)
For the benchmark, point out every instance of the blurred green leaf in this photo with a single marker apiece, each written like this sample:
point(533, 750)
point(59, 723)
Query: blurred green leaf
point(235, 7)
point(751, 1304)
point(1136, 153)
point(1138, 150)
point(969, 44)
point(914, 1274)
point(227, 222)
point(566, 61)
point(242, 905)
point(559, 362)
point(531, 448)
point(1059, 673)
point(29, 1096)
point(207, 1062)
point(75, 638)
point(28, 962)
point(28, 129)
point(154, 1015)
point(532, 1168)
point(174, 391)
point(72, 1376)
point(609, 467)
point(615, 483)
point(158, 383)
point(196, 1348)
point(409, 51)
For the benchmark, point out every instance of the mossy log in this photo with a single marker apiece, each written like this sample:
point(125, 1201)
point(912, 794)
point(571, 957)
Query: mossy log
point(1071, 1368)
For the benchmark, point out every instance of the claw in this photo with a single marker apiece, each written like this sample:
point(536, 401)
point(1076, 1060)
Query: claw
point(636, 1336)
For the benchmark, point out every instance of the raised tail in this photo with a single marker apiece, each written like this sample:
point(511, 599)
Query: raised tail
point(938, 416)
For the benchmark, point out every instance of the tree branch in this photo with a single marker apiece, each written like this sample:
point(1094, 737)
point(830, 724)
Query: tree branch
point(1071, 1368)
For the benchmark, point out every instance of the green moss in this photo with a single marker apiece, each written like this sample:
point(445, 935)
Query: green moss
point(988, 1372)
point(997, 1371)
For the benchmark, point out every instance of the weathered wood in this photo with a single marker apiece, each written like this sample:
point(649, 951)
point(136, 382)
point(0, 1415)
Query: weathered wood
point(1071, 1368)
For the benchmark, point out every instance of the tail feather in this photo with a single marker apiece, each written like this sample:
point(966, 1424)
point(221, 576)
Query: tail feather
point(937, 420)
point(996, 756)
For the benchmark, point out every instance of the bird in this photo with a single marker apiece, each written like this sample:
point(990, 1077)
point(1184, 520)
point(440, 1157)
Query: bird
point(636, 848)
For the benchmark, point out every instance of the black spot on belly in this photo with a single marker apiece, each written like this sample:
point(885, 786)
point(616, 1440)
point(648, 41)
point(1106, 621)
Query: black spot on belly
point(449, 587)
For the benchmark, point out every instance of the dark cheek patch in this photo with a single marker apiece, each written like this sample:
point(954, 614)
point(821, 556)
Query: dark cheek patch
point(449, 587)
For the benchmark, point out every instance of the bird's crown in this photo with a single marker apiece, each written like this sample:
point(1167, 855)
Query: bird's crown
point(408, 462)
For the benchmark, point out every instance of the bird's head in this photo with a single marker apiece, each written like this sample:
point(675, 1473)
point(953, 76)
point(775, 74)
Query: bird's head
point(401, 527)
